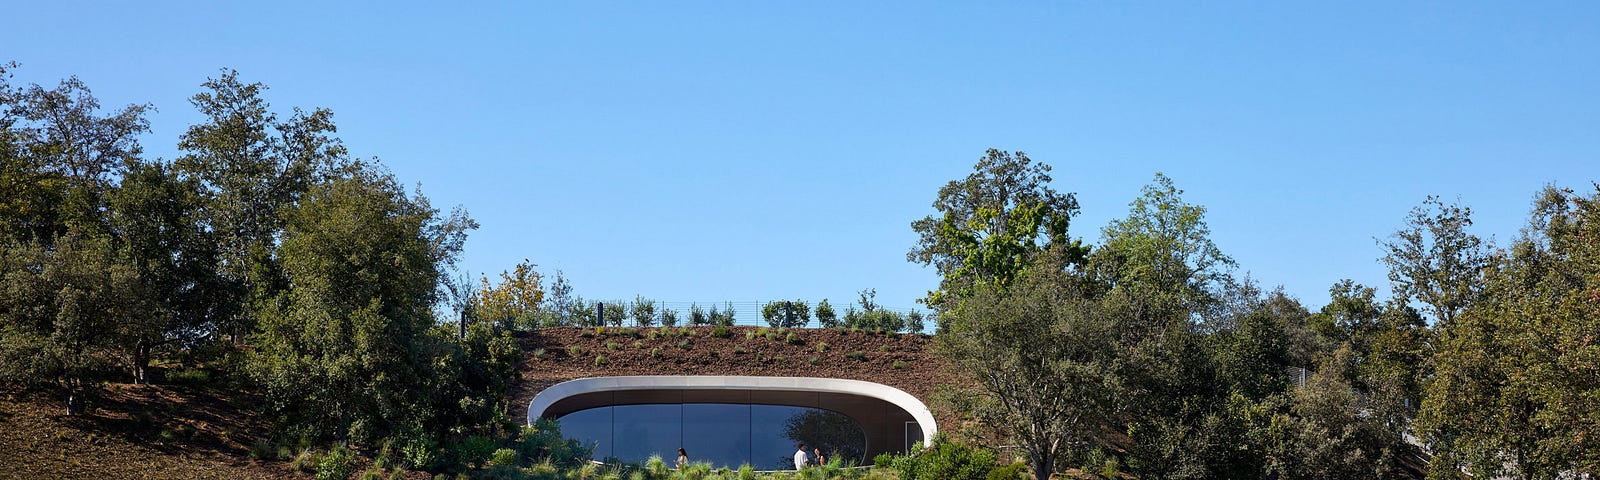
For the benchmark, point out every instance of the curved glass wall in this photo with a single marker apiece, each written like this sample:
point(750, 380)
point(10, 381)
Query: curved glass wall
point(722, 434)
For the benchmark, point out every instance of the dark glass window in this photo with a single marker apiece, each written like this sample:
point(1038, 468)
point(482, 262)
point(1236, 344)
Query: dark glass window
point(725, 435)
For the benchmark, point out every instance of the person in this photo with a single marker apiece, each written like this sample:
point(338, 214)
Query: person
point(801, 458)
point(683, 459)
point(816, 456)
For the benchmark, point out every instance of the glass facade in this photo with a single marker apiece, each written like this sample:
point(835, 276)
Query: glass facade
point(722, 434)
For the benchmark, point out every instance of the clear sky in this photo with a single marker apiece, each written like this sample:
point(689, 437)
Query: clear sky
point(748, 151)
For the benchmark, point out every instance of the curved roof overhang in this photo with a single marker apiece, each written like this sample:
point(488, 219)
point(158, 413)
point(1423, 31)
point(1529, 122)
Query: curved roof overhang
point(899, 398)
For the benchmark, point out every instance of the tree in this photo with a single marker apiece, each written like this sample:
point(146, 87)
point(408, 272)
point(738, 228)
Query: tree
point(643, 311)
point(786, 313)
point(1042, 354)
point(342, 350)
point(1515, 374)
point(991, 224)
point(825, 315)
point(513, 303)
point(251, 167)
point(1435, 261)
point(61, 309)
point(1163, 283)
point(157, 219)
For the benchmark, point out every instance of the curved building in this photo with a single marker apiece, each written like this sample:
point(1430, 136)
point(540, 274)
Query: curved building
point(734, 420)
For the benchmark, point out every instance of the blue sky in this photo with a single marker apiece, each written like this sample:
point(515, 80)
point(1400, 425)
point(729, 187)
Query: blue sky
point(709, 151)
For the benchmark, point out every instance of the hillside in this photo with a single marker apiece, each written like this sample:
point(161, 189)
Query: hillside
point(136, 431)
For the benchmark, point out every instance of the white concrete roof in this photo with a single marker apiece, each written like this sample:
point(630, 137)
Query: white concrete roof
point(895, 396)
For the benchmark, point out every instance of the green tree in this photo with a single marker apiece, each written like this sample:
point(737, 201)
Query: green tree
point(1042, 354)
point(342, 352)
point(156, 216)
point(252, 167)
point(1433, 260)
point(786, 313)
point(61, 308)
point(643, 311)
point(826, 317)
point(1515, 375)
point(992, 223)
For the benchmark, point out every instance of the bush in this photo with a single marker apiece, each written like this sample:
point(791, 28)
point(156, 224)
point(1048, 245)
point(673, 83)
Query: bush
point(898, 365)
point(822, 347)
point(337, 465)
point(947, 460)
point(858, 355)
point(503, 457)
point(684, 344)
point(574, 350)
point(420, 453)
point(474, 450)
point(612, 345)
point(791, 338)
point(721, 331)
point(599, 360)
point(1015, 471)
point(655, 353)
point(738, 349)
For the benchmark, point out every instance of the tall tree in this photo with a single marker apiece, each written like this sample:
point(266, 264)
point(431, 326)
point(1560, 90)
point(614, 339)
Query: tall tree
point(251, 166)
point(1435, 261)
point(992, 223)
point(157, 219)
point(1515, 375)
point(342, 351)
point(1042, 354)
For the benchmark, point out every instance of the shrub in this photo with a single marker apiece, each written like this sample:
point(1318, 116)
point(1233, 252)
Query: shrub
point(684, 331)
point(337, 465)
point(858, 355)
point(538, 353)
point(947, 460)
point(684, 344)
point(738, 349)
point(474, 450)
point(420, 453)
point(306, 461)
point(721, 331)
point(638, 344)
point(654, 334)
point(791, 338)
point(574, 350)
point(504, 457)
point(1015, 471)
point(884, 348)
point(599, 360)
point(612, 345)
point(897, 365)
point(655, 353)
point(600, 331)
point(822, 346)
point(587, 333)
point(812, 361)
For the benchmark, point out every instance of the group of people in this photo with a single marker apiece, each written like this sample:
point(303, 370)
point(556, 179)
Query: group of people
point(801, 458)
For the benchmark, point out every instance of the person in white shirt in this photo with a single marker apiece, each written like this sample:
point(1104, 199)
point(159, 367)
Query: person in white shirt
point(801, 458)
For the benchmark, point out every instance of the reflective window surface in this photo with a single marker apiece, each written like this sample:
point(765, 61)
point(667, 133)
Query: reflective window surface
point(725, 435)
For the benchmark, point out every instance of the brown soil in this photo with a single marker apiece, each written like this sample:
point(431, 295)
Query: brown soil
point(855, 355)
point(136, 431)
